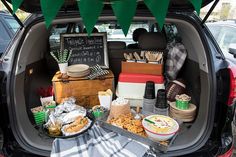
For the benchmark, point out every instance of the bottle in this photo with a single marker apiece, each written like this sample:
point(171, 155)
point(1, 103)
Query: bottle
point(161, 106)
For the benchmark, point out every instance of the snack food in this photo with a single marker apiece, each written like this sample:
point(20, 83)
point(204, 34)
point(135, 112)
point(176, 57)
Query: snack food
point(120, 106)
point(129, 123)
point(37, 109)
point(77, 125)
point(183, 97)
point(174, 88)
point(182, 101)
point(105, 93)
point(72, 119)
point(72, 116)
point(39, 115)
point(55, 128)
point(80, 124)
point(98, 111)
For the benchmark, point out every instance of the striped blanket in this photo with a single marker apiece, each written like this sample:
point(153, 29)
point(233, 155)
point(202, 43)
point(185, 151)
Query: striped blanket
point(98, 142)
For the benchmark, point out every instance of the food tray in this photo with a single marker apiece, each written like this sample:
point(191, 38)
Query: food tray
point(89, 115)
point(159, 146)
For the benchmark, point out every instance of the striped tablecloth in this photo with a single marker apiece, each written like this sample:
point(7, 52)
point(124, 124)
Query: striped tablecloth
point(98, 142)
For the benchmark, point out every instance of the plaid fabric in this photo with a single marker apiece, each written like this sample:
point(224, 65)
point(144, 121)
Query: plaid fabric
point(98, 142)
point(175, 59)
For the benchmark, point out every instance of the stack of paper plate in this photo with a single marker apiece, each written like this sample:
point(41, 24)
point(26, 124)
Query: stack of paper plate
point(184, 115)
point(78, 70)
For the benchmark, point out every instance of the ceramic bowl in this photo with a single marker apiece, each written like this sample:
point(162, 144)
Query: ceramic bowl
point(155, 133)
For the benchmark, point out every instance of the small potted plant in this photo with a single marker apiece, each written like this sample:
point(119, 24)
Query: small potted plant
point(62, 58)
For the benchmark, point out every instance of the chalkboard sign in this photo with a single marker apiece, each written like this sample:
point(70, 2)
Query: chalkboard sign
point(90, 50)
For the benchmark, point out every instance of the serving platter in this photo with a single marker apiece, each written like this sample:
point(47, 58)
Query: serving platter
point(156, 145)
point(91, 118)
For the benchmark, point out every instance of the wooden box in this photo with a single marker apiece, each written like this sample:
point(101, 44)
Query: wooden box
point(142, 68)
point(85, 91)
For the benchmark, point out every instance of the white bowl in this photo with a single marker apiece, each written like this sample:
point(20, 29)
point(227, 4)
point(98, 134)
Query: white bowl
point(160, 136)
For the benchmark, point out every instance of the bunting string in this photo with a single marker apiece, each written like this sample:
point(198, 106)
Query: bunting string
point(124, 10)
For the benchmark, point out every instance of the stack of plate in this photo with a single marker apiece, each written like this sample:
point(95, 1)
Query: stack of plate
point(78, 70)
point(184, 115)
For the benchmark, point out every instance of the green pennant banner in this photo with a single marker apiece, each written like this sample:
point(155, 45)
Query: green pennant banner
point(16, 4)
point(124, 11)
point(159, 10)
point(197, 5)
point(90, 11)
point(50, 9)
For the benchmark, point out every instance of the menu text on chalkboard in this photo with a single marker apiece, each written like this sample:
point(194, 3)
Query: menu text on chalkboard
point(90, 50)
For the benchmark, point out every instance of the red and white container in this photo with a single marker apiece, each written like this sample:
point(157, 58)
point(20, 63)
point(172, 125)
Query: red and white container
point(132, 86)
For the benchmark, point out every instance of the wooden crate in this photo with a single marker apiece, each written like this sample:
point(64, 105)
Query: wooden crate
point(142, 68)
point(85, 91)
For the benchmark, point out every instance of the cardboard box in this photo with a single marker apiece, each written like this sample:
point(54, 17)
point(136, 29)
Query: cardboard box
point(142, 68)
point(85, 91)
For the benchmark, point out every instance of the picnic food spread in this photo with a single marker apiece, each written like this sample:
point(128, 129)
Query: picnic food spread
point(86, 93)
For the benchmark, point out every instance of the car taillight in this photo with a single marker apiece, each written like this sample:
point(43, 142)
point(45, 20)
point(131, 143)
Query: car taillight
point(232, 92)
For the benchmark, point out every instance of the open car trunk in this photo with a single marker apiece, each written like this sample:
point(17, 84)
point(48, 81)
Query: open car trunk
point(33, 70)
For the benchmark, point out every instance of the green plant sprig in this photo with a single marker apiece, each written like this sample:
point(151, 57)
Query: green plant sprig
point(61, 56)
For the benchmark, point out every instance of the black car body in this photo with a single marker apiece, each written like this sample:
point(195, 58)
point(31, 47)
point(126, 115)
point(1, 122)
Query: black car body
point(210, 78)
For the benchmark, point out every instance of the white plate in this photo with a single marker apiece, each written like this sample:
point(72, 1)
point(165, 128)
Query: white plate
point(78, 68)
point(73, 133)
point(78, 74)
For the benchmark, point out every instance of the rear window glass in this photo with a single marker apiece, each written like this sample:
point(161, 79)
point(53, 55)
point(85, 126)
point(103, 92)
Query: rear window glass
point(215, 30)
point(115, 33)
point(227, 36)
point(56, 30)
point(14, 26)
point(4, 38)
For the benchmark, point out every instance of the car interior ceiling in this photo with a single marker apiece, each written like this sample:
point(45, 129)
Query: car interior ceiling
point(33, 73)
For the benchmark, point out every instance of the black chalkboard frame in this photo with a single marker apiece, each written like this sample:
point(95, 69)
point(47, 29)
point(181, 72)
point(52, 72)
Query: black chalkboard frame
point(105, 64)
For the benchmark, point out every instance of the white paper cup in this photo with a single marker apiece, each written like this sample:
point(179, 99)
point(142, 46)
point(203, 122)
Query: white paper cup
point(105, 101)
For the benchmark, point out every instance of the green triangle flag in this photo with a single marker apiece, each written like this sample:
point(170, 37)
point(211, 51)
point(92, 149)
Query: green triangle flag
point(50, 9)
point(90, 11)
point(124, 11)
point(159, 9)
point(16, 4)
point(197, 5)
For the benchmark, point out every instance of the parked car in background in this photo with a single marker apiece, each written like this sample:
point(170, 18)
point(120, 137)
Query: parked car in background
point(8, 28)
point(225, 34)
